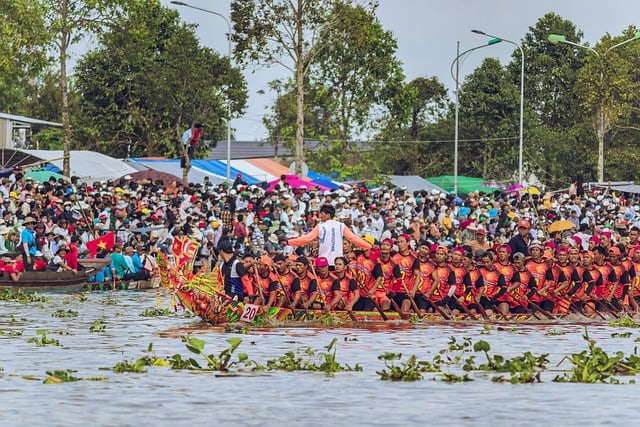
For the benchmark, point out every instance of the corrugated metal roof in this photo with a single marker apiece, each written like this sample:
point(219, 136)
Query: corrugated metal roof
point(29, 120)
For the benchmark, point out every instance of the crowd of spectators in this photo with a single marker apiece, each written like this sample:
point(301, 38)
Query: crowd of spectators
point(64, 215)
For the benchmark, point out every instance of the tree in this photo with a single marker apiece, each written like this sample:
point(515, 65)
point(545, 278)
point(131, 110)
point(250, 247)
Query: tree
point(23, 55)
point(550, 73)
point(67, 22)
point(151, 79)
point(489, 107)
point(290, 33)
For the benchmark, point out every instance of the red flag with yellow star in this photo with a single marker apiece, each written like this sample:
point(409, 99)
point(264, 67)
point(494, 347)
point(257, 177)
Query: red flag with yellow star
point(101, 243)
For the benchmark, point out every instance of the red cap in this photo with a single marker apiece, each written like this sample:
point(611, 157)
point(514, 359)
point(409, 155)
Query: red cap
point(322, 262)
point(614, 250)
point(406, 237)
point(388, 241)
point(524, 223)
point(458, 249)
point(562, 250)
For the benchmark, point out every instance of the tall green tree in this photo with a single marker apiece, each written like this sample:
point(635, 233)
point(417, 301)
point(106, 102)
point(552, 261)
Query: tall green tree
point(150, 80)
point(23, 55)
point(489, 111)
point(290, 33)
point(68, 21)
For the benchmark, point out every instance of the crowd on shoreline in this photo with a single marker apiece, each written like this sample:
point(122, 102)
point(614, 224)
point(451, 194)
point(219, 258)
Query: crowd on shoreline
point(54, 223)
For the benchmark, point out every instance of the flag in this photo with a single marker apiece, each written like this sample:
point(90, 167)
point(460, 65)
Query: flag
point(101, 243)
point(177, 248)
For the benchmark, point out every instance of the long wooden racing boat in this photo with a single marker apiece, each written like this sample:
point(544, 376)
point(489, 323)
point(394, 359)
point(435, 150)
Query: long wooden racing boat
point(218, 309)
point(202, 295)
point(47, 281)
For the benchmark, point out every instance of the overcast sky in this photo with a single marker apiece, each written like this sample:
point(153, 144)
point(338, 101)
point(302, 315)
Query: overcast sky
point(427, 32)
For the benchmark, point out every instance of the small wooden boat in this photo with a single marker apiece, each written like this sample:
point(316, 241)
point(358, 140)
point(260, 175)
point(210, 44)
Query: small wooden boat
point(95, 263)
point(47, 281)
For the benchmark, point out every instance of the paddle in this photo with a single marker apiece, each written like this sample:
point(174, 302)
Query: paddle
point(612, 309)
point(541, 310)
point(413, 301)
point(372, 298)
point(349, 312)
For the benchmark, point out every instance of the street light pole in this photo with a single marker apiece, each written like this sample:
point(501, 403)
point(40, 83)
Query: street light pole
point(557, 38)
point(520, 181)
point(180, 3)
point(456, 78)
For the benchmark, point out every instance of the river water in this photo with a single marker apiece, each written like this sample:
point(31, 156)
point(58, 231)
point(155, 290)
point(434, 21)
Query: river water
point(165, 397)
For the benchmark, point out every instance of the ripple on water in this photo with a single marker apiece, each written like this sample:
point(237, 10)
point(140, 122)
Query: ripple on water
point(164, 397)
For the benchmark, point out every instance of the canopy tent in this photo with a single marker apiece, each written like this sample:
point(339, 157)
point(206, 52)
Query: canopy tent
point(466, 184)
point(413, 183)
point(248, 169)
point(295, 182)
point(172, 166)
point(88, 166)
point(325, 181)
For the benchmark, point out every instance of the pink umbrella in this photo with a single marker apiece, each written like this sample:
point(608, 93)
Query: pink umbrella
point(515, 188)
point(295, 182)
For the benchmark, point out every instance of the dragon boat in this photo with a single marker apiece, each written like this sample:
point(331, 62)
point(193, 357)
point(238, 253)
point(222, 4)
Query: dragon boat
point(202, 295)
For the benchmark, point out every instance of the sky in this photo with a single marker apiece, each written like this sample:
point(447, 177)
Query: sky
point(427, 32)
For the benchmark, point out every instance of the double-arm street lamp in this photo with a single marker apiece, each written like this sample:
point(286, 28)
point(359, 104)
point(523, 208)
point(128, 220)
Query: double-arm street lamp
point(557, 38)
point(520, 181)
point(180, 3)
point(456, 78)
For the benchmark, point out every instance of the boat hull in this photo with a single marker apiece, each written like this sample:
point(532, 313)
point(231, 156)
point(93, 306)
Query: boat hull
point(45, 281)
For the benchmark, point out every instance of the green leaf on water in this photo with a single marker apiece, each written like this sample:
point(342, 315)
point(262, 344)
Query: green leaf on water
point(195, 345)
point(481, 345)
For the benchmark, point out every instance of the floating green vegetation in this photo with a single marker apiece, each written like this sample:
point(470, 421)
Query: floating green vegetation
point(98, 326)
point(311, 360)
point(157, 312)
point(330, 319)
point(21, 297)
point(554, 332)
point(624, 322)
point(42, 340)
point(596, 366)
point(10, 333)
point(60, 376)
point(62, 313)
point(140, 365)
point(454, 378)
point(409, 370)
point(109, 301)
point(621, 335)
point(523, 369)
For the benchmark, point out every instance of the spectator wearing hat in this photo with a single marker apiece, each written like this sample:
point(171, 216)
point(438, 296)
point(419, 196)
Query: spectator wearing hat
point(520, 242)
point(480, 242)
point(58, 263)
point(28, 241)
point(39, 264)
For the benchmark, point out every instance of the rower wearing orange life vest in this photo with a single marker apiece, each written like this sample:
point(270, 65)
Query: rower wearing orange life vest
point(345, 289)
point(522, 284)
point(288, 280)
point(634, 255)
point(563, 271)
point(590, 300)
point(306, 284)
point(446, 280)
point(383, 272)
point(425, 277)
point(540, 270)
point(471, 281)
point(362, 271)
point(403, 274)
point(508, 270)
point(603, 290)
point(622, 282)
point(458, 270)
point(492, 286)
point(628, 265)
point(322, 294)
point(265, 282)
